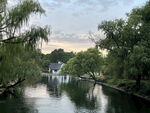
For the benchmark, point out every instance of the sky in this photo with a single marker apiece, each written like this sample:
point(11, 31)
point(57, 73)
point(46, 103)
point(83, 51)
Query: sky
point(72, 20)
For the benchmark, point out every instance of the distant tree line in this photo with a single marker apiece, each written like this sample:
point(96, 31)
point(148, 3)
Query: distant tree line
point(54, 57)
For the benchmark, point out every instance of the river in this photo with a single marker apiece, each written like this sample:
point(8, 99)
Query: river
point(64, 94)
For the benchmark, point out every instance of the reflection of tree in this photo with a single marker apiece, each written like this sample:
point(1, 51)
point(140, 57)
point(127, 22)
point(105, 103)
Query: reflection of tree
point(17, 105)
point(53, 84)
point(120, 103)
point(78, 91)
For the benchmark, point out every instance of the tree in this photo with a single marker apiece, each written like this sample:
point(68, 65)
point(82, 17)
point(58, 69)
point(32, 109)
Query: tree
point(128, 45)
point(60, 55)
point(85, 63)
point(73, 67)
point(17, 46)
point(54, 57)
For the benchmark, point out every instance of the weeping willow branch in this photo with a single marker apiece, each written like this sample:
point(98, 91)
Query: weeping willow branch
point(19, 81)
point(30, 37)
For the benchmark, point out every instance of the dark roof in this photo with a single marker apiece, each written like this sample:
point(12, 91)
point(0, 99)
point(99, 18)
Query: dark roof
point(55, 66)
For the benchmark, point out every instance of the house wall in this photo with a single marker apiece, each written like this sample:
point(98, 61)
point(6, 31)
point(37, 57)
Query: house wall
point(56, 72)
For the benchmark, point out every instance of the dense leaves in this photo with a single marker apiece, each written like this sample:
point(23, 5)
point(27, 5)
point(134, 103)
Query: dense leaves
point(84, 63)
point(55, 56)
point(18, 47)
point(60, 55)
point(128, 45)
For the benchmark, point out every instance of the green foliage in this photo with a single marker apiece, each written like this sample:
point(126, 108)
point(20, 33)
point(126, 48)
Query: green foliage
point(14, 65)
point(18, 54)
point(60, 55)
point(84, 63)
point(78, 91)
point(128, 45)
point(20, 14)
point(56, 56)
point(128, 85)
point(145, 88)
point(13, 19)
point(73, 67)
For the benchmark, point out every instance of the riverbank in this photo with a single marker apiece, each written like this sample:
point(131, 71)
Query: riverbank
point(125, 86)
point(46, 74)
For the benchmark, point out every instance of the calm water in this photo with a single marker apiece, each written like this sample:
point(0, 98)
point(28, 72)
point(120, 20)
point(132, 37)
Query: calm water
point(63, 94)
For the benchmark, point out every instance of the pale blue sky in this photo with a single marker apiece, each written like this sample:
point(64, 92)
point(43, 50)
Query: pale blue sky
point(71, 20)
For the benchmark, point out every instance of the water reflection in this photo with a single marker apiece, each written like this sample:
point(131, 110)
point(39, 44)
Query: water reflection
point(64, 94)
point(121, 103)
point(17, 106)
point(78, 91)
point(53, 84)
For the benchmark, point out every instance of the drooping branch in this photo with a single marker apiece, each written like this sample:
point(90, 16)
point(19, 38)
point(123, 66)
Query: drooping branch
point(30, 37)
point(21, 13)
point(13, 19)
point(19, 81)
point(8, 39)
point(7, 88)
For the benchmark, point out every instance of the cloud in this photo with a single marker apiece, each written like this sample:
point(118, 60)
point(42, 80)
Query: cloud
point(60, 36)
point(86, 7)
point(75, 47)
point(70, 41)
point(53, 4)
point(72, 19)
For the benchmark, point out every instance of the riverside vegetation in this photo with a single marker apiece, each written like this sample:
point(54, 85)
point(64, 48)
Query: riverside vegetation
point(19, 60)
point(127, 64)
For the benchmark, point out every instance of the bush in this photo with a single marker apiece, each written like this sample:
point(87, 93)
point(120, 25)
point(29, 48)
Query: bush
point(145, 88)
point(128, 85)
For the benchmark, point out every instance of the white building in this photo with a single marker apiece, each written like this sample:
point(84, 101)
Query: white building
point(55, 68)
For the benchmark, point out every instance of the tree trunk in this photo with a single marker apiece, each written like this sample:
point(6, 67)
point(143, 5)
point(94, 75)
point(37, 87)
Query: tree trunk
point(94, 78)
point(7, 88)
point(138, 82)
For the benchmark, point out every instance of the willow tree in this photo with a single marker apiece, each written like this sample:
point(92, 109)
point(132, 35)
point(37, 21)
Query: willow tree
point(85, 63)
point(16, 44)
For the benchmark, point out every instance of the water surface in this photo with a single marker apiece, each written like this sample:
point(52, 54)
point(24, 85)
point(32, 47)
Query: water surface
point(63, 94)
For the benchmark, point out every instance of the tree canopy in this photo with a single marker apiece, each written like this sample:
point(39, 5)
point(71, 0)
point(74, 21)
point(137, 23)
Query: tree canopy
point(55, 56)
point(128, 45)
point(18, 46)
point(60, 55)
point(84, 63)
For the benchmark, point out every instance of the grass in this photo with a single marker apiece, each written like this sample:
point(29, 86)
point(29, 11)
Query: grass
point(129, 85)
